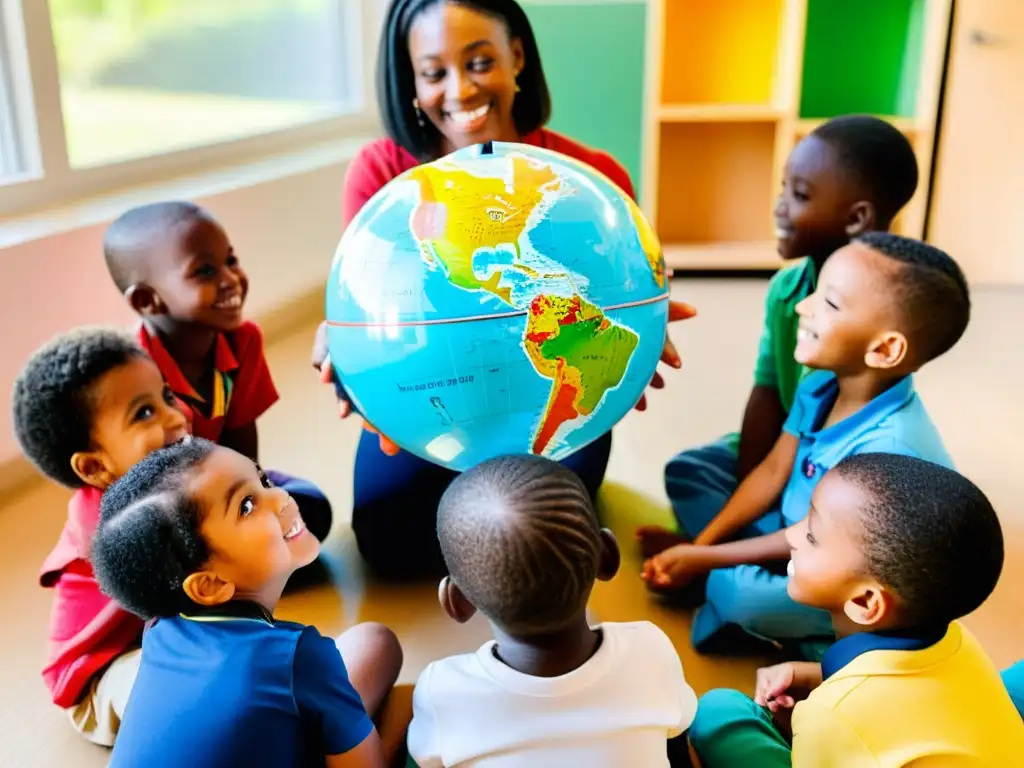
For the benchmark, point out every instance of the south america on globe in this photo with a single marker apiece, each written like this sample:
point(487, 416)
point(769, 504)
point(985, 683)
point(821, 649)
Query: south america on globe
point(503, 299)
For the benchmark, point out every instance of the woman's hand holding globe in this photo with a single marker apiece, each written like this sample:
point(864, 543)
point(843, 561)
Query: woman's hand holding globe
point(678, 310)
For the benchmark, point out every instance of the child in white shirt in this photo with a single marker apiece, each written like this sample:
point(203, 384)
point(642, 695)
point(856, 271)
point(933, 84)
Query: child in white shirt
point(523, 546)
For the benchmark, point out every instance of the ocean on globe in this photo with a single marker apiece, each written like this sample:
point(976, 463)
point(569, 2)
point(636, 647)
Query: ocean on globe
point(503, 299)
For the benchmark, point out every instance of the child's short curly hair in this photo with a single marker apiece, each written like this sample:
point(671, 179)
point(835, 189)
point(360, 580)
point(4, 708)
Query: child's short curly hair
point(53, 396)
point(148, 540)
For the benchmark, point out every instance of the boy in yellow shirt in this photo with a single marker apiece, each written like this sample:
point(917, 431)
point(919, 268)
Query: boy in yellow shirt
point(897, 549)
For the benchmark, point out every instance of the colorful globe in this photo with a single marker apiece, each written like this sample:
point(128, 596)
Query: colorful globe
point(503, 299)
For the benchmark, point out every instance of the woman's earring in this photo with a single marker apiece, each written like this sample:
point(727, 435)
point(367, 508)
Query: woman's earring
point(419, 114)
point(517, 88)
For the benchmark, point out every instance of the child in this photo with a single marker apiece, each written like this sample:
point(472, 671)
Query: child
point(851, 175)
point(884, 306)
point(177, 269)
point(895, 550)
point(522, 544)
point(87, 406)
point(197, 538)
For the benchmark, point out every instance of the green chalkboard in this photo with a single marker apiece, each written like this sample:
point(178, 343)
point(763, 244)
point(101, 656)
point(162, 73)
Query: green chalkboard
point(862, 56)
point(593, 57)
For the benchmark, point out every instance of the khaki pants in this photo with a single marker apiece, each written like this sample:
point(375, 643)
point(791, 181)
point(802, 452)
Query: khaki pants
point(98, 715)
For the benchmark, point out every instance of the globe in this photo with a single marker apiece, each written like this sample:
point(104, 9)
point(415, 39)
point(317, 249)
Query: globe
point(504, 299)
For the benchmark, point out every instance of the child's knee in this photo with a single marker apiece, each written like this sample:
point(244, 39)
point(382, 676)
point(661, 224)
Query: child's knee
point(375, 642)
point(717, 711)
point(733, 603)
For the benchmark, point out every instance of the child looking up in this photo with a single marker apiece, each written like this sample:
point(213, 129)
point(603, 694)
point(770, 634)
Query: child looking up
point(176, 267)
point(895, 550)
point(87, 406)
point(196, 537)
point(523, 546)
point(851, 175)
point(884, 307)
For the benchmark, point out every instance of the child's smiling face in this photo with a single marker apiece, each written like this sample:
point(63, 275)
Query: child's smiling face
point(196, 277)
point(826, 565)
point(851, 321)
point(254, 532)
point(819, 208)
point(134, 413)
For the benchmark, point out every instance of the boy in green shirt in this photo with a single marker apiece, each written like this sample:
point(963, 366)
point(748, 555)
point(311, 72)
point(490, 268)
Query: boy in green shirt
point(851, 175)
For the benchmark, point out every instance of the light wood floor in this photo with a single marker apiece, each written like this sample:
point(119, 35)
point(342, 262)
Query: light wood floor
point(973, 394)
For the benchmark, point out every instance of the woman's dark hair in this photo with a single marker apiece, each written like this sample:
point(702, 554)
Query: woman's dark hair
point(396, 88)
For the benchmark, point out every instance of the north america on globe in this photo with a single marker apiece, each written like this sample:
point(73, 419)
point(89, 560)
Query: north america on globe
point(460, 216)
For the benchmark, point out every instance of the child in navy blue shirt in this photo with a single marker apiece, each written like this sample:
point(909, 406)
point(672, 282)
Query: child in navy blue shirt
point(197, 539)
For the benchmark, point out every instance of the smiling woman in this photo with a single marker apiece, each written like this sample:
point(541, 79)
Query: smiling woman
point(450, 75)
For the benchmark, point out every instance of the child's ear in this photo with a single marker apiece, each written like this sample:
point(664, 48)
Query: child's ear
point(454, 603)
point(207, 588)
point(869, 606)
point(611, 557)
point(887, 351)
point(863, 217)
point(144, 300)
point(91, 468)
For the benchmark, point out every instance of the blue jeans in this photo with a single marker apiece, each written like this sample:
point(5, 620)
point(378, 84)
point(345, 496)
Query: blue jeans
point(313, 505)
point(699, 482)
point(394, 513)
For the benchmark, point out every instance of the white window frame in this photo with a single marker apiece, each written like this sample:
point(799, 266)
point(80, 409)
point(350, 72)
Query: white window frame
point(35, 109)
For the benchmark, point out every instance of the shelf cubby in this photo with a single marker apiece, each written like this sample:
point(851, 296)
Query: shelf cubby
point(862, 57)
point(713, 182)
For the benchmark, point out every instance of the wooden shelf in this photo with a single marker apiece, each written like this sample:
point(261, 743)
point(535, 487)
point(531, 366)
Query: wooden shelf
point(728, 256)
point(719, 51)
point(718, 113)
point(733, 85)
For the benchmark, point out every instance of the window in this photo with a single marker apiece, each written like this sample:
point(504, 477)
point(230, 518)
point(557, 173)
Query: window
point(123, 90)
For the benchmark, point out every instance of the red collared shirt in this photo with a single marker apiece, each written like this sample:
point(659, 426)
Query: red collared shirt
point(243, 388)
point(87, 629)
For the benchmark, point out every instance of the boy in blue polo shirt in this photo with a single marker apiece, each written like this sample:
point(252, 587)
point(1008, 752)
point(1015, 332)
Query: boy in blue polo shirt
point(852, 174)
point(884, 306)
point(896, 550)
point(196, 538)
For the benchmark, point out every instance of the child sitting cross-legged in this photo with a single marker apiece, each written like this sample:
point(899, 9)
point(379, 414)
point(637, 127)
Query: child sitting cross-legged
point(196, 538)
point(884, 306)
point(896, 550)
point(87, 406)
point(523, 546)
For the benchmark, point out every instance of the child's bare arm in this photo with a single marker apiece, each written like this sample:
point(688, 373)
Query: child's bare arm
point(681, 564)
point(762, 425)
point(756, 493)
point(367, 755)
point(245, 440)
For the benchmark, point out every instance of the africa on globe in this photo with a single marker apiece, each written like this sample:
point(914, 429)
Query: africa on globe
point(503, 299)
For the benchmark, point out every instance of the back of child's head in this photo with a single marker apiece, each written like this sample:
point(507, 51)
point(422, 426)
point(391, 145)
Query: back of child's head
point(878, 159)
point(929, 291)
point(133, 239)
point(148, 540)
point(54, 396)
point(928, 534)
point(521, 541)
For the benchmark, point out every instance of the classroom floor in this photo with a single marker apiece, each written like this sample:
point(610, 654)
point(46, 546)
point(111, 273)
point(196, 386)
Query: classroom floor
point(972, 393)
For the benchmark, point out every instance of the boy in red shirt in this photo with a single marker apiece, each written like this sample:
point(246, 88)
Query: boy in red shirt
point(175, 265)
point(88, 406)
